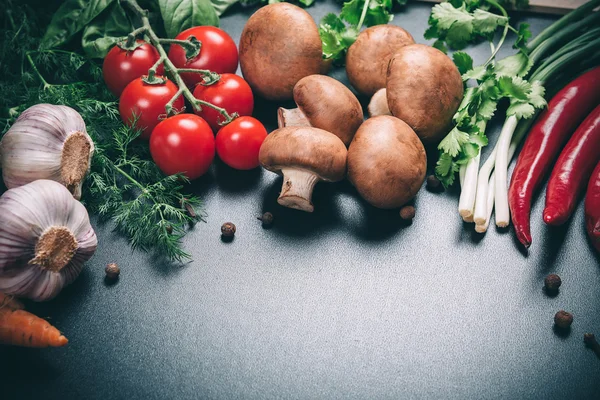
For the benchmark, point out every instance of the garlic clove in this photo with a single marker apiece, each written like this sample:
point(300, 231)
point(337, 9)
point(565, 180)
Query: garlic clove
point(47, 142)
point(45, 239)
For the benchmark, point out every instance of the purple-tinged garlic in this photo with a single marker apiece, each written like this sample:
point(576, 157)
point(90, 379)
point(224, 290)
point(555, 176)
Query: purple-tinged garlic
point(45, 238)
point(47, 142)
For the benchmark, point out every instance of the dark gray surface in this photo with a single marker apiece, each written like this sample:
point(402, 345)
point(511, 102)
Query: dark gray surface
point(343, 303)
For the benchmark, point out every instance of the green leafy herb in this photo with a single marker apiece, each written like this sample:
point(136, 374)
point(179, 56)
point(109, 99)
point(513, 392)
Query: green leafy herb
point(179, 15)
point(71, 18)
point(105, 31)
point(221, 6)
point(455, 27)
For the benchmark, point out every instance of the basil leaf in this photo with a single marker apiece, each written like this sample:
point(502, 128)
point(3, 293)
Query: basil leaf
point(221, 6)
point(105, 31)
point(71, 17)
point(179, 15)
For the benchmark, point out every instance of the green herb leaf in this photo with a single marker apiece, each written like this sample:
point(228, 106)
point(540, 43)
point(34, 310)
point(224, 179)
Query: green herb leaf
point(453, 142)
point(520, 109)
point(479, 140)
point(446, 15)
point(445, 169)
point(105, 31)
point(221, 6)
point(179, 15)
point(486, 22)
point(515, 65)
point(487, 108)
point(332, 44)
point(536, 97)
point(71, 17)
point(333, 22)
point(463, 61)
point(476, 73)
point(351, 11)
point(522, 36)
point(514, 87)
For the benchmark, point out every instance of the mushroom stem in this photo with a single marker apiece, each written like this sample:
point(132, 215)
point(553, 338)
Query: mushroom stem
point(379, 104)
point(293, 117)
point(297, 188)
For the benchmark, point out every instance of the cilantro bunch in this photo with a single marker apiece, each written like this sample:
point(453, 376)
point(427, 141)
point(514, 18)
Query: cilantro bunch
point(338, 33)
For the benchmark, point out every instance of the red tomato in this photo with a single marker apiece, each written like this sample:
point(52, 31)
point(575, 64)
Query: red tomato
point(184, 144)
point(231, 93)
point(122, 66)
point(239, 141)
point(148, 102)
point(218, 53)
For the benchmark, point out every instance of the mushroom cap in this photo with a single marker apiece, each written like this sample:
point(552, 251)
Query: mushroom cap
point(424, 89)
point(306, 148)
point(368, 57)
point(329, 105)
point(280, 45)
point(386, 162)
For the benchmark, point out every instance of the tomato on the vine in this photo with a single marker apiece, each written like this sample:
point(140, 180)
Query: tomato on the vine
point(231, 92)
point(122, 66)
point(147, 102)
point(238, 142)
point(183, 144)
point(218, 53)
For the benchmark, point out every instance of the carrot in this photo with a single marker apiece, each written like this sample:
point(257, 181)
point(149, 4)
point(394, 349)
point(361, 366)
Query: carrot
point(10, 303)
point(21, 328)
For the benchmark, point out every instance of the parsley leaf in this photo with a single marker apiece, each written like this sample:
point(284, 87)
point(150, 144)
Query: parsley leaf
point(463, 61)
point(453, 142)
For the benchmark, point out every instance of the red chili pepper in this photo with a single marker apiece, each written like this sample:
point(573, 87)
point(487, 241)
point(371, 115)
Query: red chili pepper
point(552, 129)
point(592, 208)
point(572, 170)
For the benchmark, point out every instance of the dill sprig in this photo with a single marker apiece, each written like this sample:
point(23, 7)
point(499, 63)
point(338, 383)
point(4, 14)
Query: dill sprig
point(124, 185)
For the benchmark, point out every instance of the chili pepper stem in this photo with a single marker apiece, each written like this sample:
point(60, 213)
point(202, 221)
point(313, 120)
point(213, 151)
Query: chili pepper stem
point(170, 68)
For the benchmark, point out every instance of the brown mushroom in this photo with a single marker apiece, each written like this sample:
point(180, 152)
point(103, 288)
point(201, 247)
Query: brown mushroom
point(304, 156)
point(369, 55)
point(386, 162)
point(424, 89)
point(378, 104)
point(324, 103)
point(280, 45)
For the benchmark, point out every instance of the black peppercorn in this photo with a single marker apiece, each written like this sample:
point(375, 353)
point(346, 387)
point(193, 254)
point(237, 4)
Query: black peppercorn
point(434, 184)
point(590, 341)
point(552, 282)
point(563, 319)
point(267, 220)
point(407, 213)
point(228, 230)
point(112, 271)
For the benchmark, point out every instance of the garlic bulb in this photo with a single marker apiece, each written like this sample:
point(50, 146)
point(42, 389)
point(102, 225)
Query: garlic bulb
point(45, 237)
point(47, 142)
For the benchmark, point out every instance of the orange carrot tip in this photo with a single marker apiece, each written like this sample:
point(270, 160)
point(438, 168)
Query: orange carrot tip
point(21, 328)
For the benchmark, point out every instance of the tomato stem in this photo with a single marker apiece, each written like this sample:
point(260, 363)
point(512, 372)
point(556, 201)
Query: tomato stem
point(170, 68)
point(191, 45)
point(131, 38)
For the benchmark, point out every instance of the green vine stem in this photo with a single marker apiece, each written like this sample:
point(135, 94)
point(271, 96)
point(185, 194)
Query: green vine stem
point(169, 67)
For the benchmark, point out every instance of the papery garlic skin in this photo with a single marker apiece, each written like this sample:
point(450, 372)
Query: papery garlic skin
point(45, 238)
point(47, 142)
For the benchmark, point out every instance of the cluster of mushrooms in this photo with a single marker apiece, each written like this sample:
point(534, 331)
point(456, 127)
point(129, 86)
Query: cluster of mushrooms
point(415, 91)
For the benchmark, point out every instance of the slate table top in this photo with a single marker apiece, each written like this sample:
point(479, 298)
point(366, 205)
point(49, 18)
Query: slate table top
point(346, 302)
